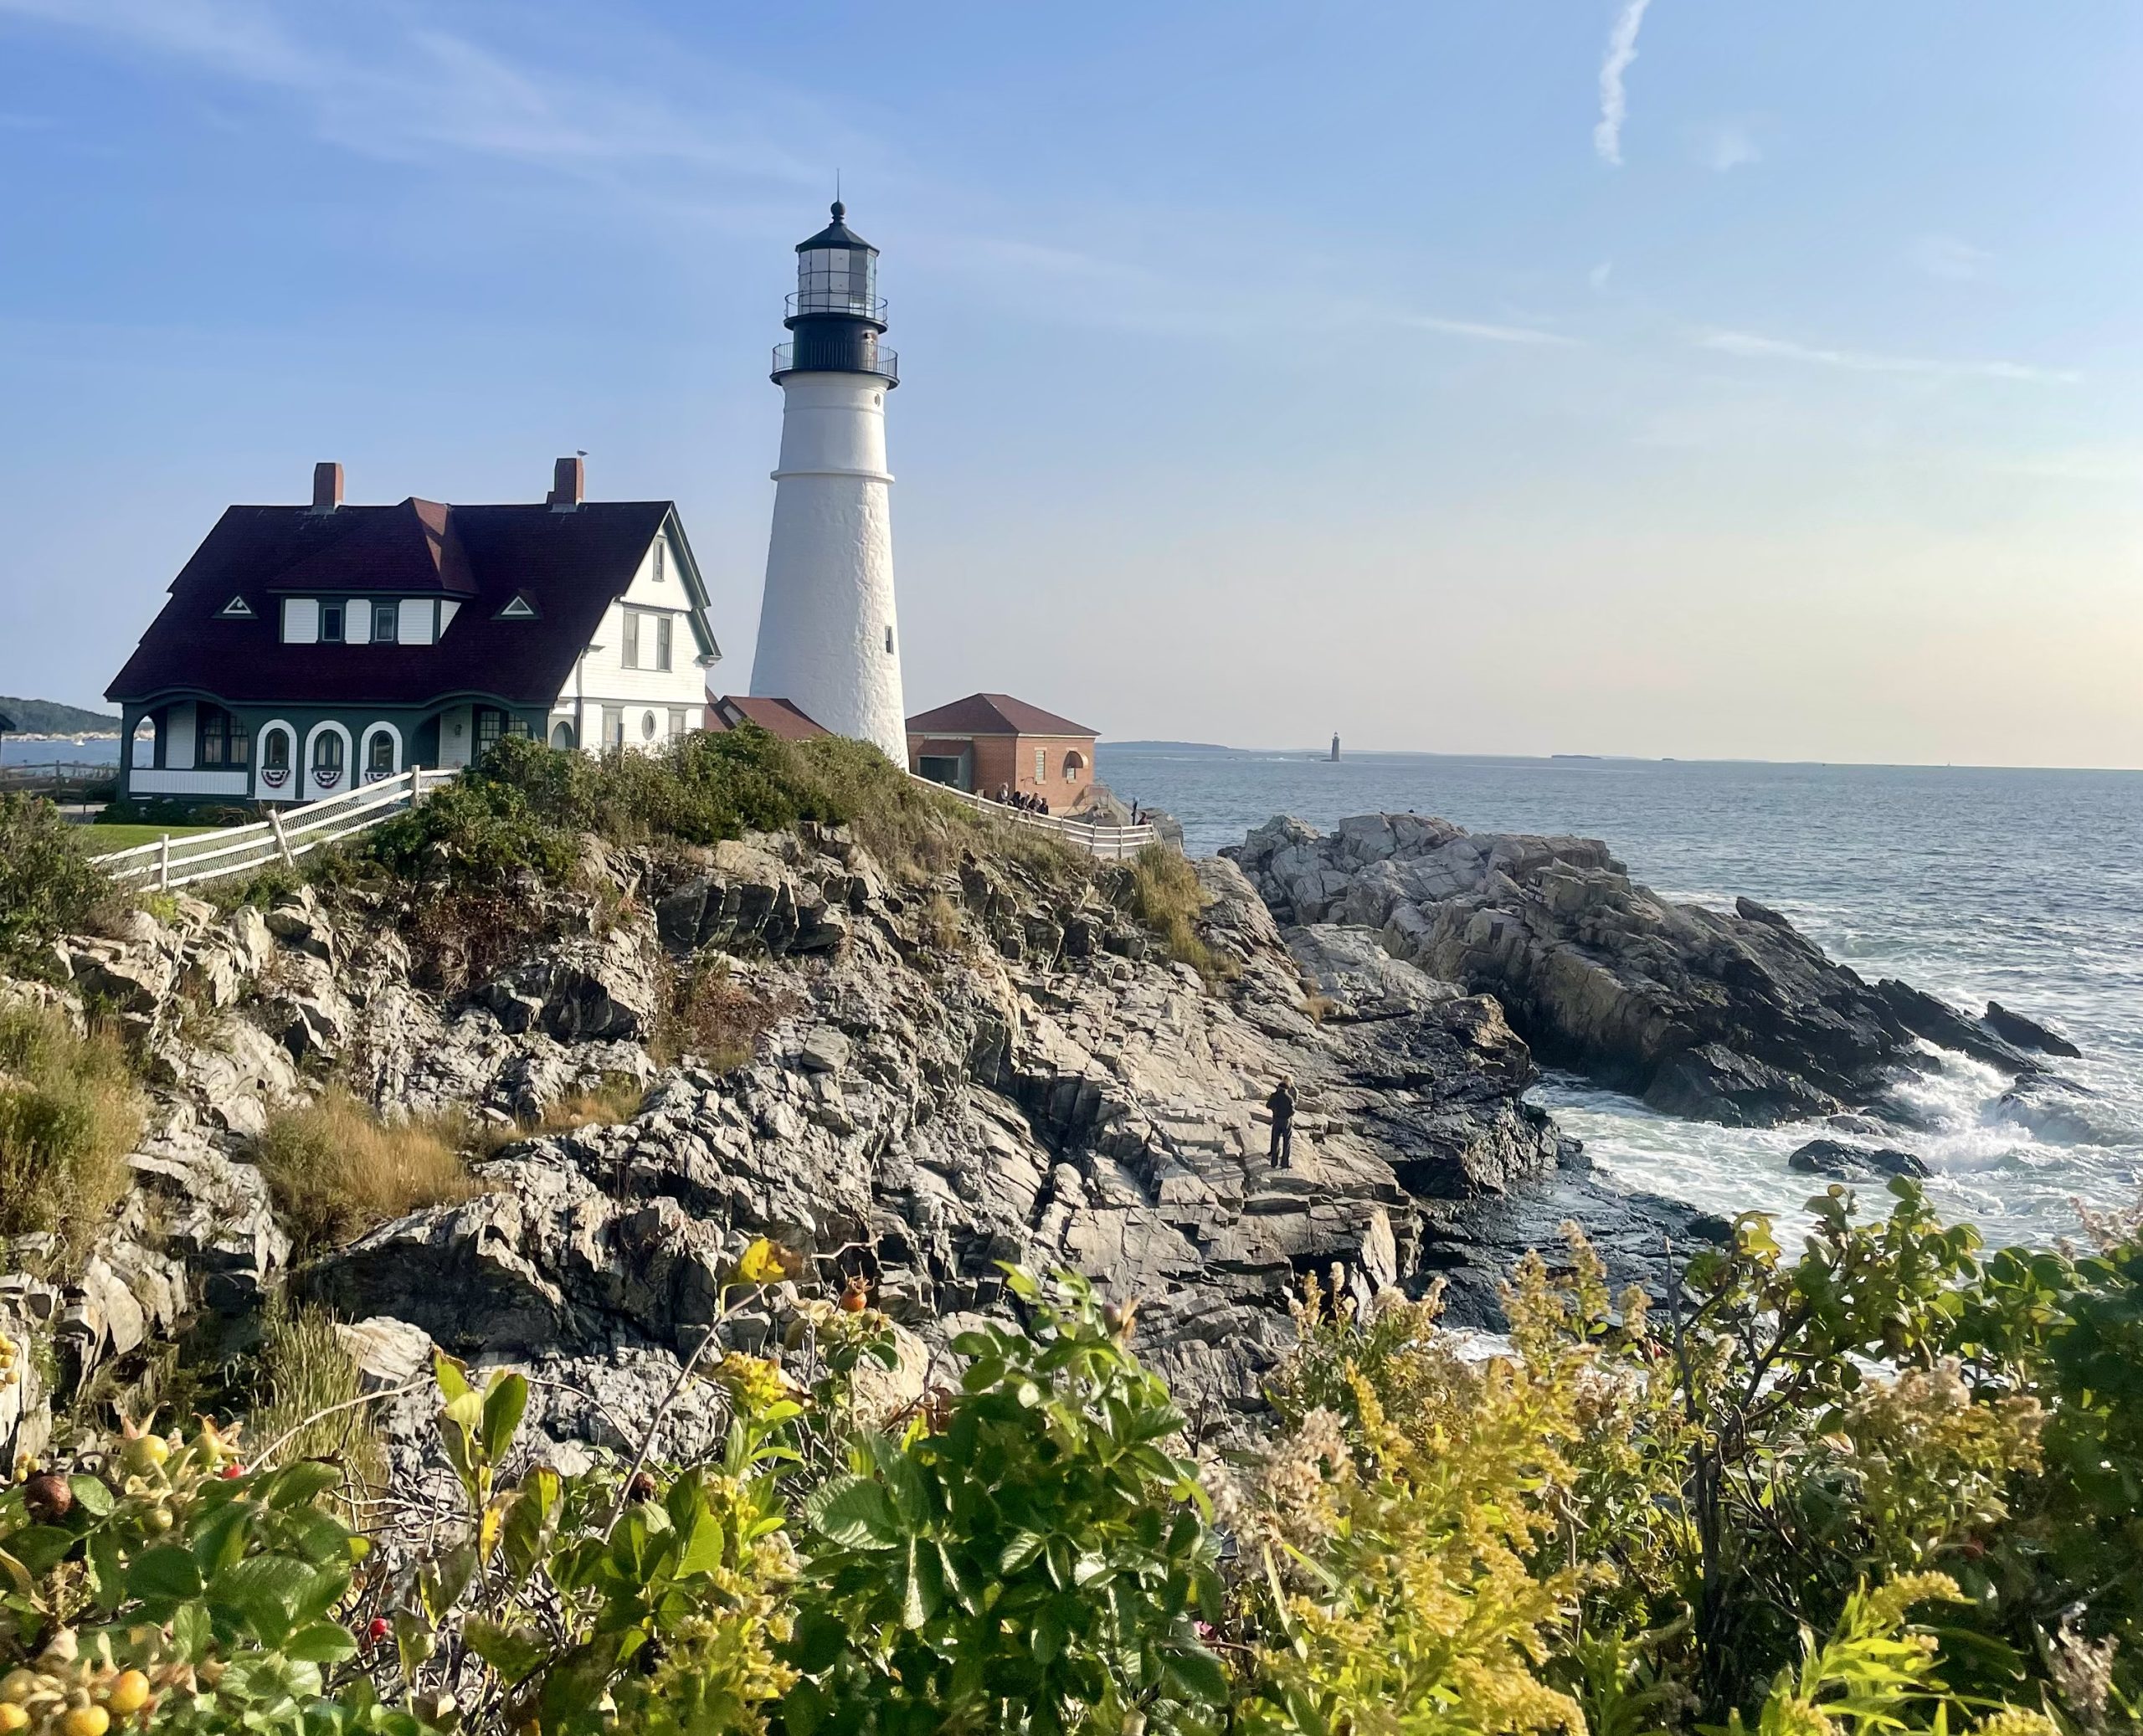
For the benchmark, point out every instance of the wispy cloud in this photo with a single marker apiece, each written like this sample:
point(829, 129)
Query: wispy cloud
point(1614, 99)
point(1945, 256)
point(1599, 274)
point(403, 90)
point(1778, 349)
point(1727, 146)
point(1488, 332)
point(2120, 467)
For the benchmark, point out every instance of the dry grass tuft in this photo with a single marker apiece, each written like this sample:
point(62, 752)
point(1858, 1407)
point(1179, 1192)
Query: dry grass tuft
point(617, 1098)
point(1162, 892)
point(717, 1018)
point(69, 1113)
point(305, 1369)
point(336, 1170)
point(940, 925)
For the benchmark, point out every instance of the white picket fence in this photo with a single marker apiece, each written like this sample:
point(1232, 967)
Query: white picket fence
point(286, 835)
point(1111, 843)
point(289, 833)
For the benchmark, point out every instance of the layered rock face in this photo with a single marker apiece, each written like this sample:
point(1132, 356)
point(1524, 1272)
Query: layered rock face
point(1728, 1017)
point(937, 1080)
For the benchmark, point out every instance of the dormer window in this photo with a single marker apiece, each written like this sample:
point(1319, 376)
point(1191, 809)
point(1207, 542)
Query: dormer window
point(383, 622)
point(520, 609)
point(331, 623)
point(238, 607)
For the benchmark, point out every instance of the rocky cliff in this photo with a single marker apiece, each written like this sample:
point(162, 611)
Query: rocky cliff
point(913, 1084)
point(909, 1083)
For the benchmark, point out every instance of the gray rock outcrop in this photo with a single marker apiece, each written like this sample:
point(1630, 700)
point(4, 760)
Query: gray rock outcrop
point(1732, 1017)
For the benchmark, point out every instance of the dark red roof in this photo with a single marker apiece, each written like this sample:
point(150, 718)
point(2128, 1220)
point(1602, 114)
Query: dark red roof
point(410, 549)
point(569, 567)
point(994, 714)
point(776, 716)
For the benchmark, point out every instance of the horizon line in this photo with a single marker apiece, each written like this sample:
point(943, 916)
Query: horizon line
point(1321, 754)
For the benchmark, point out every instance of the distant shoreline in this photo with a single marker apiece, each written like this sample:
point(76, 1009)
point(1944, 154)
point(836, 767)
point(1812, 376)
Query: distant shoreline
point(1603, 761)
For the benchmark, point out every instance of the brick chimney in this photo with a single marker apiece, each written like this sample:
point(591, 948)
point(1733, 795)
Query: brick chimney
point(568, 482)
point(326, 487)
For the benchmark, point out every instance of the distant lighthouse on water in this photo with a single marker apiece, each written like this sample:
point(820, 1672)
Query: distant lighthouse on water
point(829, 642)
point(1335, 747)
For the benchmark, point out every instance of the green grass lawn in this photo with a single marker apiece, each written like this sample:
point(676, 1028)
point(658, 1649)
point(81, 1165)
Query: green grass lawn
point(103, 840)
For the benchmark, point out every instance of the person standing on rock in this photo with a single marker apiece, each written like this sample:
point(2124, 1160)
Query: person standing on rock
point(1282, 1104)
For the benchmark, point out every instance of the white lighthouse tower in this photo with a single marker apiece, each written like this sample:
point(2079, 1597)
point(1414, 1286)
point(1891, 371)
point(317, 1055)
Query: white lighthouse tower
point(828, 640)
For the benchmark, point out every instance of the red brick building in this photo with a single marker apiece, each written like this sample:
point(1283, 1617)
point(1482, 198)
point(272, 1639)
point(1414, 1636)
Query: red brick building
point(991, 741)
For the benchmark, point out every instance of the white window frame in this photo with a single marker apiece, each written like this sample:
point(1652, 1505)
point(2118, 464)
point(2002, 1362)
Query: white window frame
point(665, 632)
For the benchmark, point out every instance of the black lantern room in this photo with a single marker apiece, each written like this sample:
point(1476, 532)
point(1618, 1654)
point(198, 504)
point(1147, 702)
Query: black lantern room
point(836, 318)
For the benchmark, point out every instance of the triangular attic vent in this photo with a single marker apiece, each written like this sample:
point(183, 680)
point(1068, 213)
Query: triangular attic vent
point(520, 609)
point(238, 606)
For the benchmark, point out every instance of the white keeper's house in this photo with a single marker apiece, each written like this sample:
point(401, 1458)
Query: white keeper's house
point(307, 649)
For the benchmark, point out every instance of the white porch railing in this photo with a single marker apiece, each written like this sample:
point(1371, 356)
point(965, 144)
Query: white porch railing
point(284, 836)
point(1111, 843)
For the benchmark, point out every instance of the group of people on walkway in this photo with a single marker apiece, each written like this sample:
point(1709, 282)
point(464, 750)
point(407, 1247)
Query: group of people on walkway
point(1011, 797)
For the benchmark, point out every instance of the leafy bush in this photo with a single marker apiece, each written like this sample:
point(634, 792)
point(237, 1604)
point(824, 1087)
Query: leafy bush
point(336, 1170)
point(1874, 1486)
point(48, 886)
point(69, 1113)
point(1036, 1562)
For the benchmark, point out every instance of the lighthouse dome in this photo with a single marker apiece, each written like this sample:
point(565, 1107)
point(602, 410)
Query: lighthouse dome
point(837, 272)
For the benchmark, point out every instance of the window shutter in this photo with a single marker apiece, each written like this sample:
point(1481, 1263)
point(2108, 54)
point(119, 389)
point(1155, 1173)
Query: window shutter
point(631, 652)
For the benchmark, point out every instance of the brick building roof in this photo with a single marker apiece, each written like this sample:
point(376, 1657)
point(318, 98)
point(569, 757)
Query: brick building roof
point(994, 714)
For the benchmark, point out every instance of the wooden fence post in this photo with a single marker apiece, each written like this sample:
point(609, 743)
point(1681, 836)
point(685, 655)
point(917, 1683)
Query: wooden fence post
point(163, 863)
point(283, 843)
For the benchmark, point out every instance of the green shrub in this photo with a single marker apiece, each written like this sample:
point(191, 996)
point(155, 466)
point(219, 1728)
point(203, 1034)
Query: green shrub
point(1037, 1562)
point(522, 809)
point(1430, 1548)
point(48, 886)
point(69, 1113)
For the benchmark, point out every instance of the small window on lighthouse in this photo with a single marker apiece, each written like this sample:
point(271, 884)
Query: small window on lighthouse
point(889, 641)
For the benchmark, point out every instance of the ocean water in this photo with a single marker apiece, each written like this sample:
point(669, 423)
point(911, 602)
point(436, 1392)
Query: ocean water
point(2021, 886)
point(93, 750)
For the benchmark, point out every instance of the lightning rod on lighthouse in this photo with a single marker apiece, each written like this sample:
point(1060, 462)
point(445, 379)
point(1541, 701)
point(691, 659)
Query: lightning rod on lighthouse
point(829, 642)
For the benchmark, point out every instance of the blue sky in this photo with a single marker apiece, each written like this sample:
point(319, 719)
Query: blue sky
point(1703, 380)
